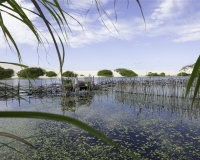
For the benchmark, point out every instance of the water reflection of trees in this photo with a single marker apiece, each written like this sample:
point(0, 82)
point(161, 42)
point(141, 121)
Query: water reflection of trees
point(178, 107)
point(71, 103)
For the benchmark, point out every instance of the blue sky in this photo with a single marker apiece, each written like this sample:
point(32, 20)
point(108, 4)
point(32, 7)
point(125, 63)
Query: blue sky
point(169, 41)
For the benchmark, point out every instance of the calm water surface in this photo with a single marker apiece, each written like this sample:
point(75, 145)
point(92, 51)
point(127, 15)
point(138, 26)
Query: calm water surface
point(151, 127)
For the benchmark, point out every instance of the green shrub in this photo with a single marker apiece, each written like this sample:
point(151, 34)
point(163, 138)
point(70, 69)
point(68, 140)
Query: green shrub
point(152, 74)
point(32, 72)
point(6, 73)
point(69, 74)
point(119, 69)
point(68, 83)
point(81, 75)
point(162, 74)
point(51, 74)
point(183, 74)
point(155, 74)
point(105, 73)
point(126, 72)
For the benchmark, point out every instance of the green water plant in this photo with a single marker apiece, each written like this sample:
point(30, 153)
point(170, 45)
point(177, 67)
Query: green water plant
point(68, 83)
point(73, 121)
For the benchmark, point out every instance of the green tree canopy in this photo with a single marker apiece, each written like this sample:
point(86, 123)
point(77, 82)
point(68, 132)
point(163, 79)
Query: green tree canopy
point(69, 74)
point(162, 74)
point(183, 74)
point(33, 72)
point(6, 73)
point(51, 74)
point(151, 74)
point(126, 72)
point(105, 73)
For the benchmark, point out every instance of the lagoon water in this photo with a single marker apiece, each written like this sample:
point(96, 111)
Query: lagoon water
point(151, 127)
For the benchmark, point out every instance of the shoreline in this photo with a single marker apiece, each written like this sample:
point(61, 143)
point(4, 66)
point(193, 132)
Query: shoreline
point(141, 73)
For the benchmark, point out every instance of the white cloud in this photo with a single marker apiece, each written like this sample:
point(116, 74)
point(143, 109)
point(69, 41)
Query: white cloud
point(19, 31)
point(166, 19)
point(168, 9)
point(171, 19)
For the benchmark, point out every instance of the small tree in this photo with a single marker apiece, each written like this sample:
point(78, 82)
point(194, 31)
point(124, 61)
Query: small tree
point(6, 73)
point(69, 74)
point(105, 73)
point(162, 74)
point(152, 74)
point(32, 72)
point(51, 74)
point(126, 72)
point(183, 74)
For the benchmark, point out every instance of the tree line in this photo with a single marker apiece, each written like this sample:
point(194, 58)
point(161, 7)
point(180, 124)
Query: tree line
point(35, 72)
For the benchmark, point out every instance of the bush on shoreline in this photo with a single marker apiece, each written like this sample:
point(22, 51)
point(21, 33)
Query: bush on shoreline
point(69, 74)
point(51, 74)
point(183, 74)
point(151, 74)
point(105, 73)
point(126, 72)
point(6, 73)
point(32, 72)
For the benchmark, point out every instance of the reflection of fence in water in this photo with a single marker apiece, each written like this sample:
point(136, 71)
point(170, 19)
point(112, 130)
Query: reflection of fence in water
point(178, 107)
point(71, 103)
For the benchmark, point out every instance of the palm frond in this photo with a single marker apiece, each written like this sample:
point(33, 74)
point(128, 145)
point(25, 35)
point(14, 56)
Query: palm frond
point(192, 79)
point(9, 135)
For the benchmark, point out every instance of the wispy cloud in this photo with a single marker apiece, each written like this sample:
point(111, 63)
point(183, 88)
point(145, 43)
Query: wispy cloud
point(171, 18)
point(19, 31)
point(168, 18)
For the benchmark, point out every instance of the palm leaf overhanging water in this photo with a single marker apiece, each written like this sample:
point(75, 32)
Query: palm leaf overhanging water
point(58, 14)
point(54, 8)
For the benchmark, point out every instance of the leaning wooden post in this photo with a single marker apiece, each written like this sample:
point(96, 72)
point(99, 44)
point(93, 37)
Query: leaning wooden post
point(18, 86)
point(5, 90)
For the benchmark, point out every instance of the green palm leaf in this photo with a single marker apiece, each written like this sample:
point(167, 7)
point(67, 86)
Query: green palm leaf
point(9, 135)
point(192, 79)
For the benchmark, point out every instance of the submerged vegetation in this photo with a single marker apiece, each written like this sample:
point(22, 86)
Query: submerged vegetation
point(105, 73)
point(68, 83)
point(126, 72)
point(33, 72)
point(6, 73)
point(152, 127)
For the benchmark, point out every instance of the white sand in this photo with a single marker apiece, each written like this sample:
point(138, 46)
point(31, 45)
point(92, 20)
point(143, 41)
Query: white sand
point(85, 73)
